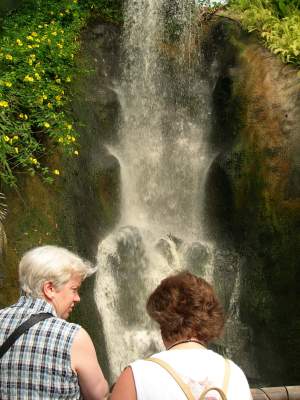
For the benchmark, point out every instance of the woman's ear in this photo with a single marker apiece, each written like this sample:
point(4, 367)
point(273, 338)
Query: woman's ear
point(48, 290)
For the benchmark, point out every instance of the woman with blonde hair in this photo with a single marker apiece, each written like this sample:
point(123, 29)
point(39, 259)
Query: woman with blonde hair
point(190, 317)
point(42, 356)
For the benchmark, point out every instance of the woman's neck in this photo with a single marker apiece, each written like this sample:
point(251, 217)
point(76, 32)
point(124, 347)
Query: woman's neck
point(191, 343)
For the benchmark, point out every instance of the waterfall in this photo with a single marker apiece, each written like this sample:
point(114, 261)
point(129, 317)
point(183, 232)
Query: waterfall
point(164, 160)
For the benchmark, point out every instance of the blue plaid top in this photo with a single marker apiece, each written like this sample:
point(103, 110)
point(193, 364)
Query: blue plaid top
point(38, 365)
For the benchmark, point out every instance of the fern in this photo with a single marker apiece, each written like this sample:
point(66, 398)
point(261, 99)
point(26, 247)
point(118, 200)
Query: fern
point(277, 22)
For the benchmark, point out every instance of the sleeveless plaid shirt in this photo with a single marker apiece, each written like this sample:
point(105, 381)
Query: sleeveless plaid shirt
point(38, 365)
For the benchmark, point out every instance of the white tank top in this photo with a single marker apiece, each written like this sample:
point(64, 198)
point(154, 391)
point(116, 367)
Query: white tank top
point(198, 368)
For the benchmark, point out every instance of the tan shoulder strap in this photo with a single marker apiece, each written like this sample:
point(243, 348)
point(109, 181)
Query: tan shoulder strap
point(186, 390)
point(226, 376)
point(220, 391)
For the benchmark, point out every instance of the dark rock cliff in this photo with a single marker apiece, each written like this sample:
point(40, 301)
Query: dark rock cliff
point(253, 188)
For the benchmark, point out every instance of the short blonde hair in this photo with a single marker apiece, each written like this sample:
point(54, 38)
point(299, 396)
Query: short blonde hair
point(50, 263)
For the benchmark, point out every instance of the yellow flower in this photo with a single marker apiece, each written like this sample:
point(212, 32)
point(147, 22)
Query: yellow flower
point(56, 172)
point(3, 104)
point(46, 125)
point(19, 42)
point(49, 105)
point(40, 26)
point(59, 45)
point(37, 76)
point(69, 126)
point(58, 80)
point(75, 1)
point(33, 160)
point(58, 98)
point(33, 56)
point(60, 140)
point(9, 57)
point(29, 46)
point(45, 97)
point(54, 33)
point(76, 152)
point(68, 79)
point(23, 116)
point(34, 34)
point(16, 137)
point(61, 14)
point(7, 84)
point(6, 138)
point(16, 150)
point(71, 138)
point(29, 37)
point(28, 78)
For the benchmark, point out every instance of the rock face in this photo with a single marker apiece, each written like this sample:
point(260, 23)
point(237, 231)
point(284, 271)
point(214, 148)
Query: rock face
point(253, 189)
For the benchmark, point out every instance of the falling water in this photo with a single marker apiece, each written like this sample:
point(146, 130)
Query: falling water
point(164, 159)
point(162, 149)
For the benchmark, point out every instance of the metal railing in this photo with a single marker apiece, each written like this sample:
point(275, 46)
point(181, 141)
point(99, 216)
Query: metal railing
point(277, 393)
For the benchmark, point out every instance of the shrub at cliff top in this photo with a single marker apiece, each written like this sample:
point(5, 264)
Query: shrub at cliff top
point(38, 44)
point(277, 22)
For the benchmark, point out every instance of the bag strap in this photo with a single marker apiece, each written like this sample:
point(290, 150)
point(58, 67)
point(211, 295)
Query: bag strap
point(24, 327)
point(226, 376)
point(220, 391)
point(184, 387)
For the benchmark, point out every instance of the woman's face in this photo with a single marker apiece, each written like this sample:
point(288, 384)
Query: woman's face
point(65, 298)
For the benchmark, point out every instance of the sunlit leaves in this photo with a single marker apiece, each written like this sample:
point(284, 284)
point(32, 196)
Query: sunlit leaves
point(278, 23)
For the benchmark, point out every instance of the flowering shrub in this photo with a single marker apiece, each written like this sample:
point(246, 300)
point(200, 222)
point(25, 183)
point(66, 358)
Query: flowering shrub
point(38, 44)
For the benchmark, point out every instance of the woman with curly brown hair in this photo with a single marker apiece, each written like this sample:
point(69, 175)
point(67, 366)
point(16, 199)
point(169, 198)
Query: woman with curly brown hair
point(190, 317)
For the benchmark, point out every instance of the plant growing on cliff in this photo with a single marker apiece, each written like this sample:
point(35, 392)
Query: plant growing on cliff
point(277, 22)
point(38, 44)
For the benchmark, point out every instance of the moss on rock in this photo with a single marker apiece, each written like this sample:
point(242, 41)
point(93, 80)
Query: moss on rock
point(256, 104)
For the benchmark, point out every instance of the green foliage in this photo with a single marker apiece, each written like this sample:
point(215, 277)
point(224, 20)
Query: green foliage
point(284, 7)
point(109, 9)
point(277, 21)
point(38, 44)
point(208, 3)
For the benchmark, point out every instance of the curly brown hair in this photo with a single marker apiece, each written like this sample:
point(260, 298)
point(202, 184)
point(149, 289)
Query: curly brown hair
point(185, 306)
